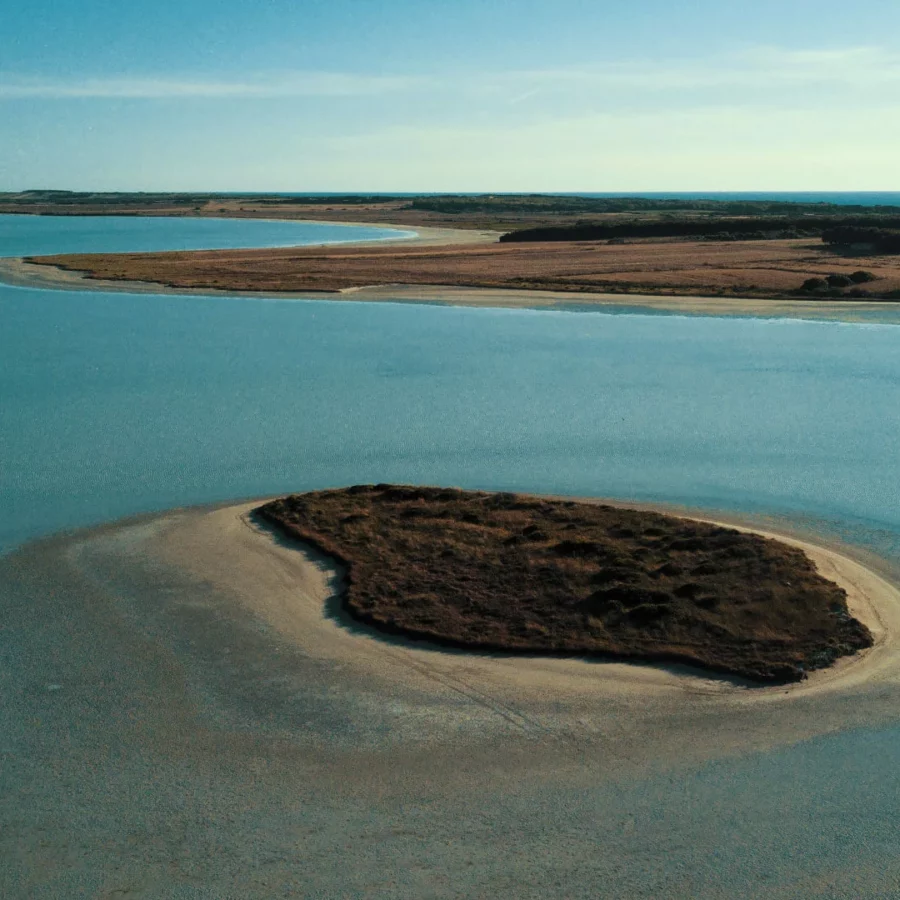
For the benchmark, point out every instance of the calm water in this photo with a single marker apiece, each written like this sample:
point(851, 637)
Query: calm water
point(115, 404)
point(42, 235)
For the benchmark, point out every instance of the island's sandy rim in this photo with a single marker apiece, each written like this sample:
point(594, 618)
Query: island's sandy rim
point(18, 273)
point(242, 629)
point(250, 546)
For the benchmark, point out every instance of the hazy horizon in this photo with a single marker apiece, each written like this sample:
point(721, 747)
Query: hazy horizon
point(527, 97)
point(314, 192)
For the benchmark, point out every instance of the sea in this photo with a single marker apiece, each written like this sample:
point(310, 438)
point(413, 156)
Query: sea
point(45, 235)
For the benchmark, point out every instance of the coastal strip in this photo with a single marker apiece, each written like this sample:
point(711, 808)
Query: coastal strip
point(19, 273)
point(470, 268)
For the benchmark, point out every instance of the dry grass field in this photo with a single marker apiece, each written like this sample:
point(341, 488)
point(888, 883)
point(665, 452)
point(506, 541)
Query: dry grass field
point(741, 268)
point(527, 574)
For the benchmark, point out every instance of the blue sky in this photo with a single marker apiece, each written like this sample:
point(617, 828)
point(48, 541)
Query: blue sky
point(395, 95)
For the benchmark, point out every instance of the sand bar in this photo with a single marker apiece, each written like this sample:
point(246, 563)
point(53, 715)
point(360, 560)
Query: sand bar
point(184, 705)
point(18, 273)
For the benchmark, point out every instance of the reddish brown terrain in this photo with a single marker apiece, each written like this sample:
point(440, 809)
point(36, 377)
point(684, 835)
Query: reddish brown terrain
point(756, 268)
point(527, 574)
point(375, 211)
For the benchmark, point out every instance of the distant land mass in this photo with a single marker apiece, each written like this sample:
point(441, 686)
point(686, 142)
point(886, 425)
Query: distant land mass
point(757, 246)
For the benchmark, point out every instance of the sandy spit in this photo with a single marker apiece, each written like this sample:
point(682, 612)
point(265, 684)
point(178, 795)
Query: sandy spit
point(19, 273)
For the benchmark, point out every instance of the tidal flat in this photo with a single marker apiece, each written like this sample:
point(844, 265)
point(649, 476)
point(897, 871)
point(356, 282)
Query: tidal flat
point(187, 712)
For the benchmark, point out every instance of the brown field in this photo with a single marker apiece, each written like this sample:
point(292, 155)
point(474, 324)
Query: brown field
point(527, 574)
point(739, 268)
point(386, 212)
point(396, 211)
point(391, 212)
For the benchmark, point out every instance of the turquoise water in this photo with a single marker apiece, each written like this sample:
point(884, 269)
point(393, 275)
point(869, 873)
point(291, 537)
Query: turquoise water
point(116, 403)
point(43, 235)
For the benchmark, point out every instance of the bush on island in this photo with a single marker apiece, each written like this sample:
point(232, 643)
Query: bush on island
point(839, 281)
point(861, 277)
point(813, 285)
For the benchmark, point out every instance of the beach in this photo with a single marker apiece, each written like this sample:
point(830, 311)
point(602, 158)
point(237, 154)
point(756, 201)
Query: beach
point(467, 267)
point(196, 665)
point(19, 273)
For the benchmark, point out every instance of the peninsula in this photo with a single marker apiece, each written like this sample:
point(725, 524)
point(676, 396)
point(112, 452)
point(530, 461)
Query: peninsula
point(597, 249)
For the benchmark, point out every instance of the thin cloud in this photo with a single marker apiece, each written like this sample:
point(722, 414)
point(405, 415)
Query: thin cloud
point(756, 68)
point(293, 84)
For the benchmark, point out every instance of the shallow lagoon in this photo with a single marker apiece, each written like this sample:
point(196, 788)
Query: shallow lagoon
point(45, 235)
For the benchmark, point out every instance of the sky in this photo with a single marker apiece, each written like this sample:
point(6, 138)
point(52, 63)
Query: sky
point(469, 95)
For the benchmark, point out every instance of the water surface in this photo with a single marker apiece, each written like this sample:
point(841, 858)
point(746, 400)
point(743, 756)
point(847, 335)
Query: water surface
point(117, 403)
point(46, 235)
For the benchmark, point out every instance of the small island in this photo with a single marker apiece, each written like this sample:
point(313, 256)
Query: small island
point(524, 574)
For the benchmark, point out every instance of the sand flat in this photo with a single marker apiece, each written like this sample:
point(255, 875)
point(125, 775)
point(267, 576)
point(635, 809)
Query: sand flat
point(185, 712)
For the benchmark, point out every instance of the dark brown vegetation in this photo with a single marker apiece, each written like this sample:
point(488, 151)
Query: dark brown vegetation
point(742, 268)
point(880, 240)
point(715, 228)
point(496, 212)
point(527, 574)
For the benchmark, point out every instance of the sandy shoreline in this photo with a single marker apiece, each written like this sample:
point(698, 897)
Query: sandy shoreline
point(200, 540)
point(188, 707)
point(871, 599)
point(18, 273)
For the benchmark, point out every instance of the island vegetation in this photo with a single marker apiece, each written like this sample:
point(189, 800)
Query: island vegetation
point(583, 270)
point(514, 573)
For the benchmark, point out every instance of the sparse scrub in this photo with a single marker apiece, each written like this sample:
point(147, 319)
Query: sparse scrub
point(528, 574)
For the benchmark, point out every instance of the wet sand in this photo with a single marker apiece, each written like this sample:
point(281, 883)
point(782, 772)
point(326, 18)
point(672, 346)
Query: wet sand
point(187, 712)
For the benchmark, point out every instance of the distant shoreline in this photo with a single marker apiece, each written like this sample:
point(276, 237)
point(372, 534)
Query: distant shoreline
point(400, 269)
